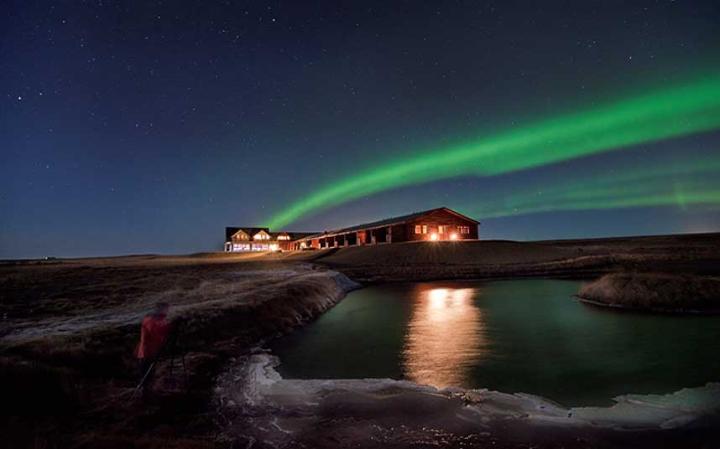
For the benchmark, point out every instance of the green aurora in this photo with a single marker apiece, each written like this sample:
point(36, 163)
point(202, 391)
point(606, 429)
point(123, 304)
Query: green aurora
point(679, 184)
point(663, 114)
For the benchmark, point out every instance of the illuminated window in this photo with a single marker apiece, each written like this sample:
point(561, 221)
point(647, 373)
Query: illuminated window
point(441, 229)
point(464, 229)
point(262, 235)
point(424, 229)
point(283, 237)
point(418, 229)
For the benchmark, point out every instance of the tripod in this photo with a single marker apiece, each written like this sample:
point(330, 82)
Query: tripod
point(174, 349)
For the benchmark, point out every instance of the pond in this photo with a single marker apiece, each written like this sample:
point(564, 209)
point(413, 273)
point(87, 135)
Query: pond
point(526, 336)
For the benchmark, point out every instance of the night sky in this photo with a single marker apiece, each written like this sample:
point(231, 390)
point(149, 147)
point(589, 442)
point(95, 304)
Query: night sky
point(147, 127)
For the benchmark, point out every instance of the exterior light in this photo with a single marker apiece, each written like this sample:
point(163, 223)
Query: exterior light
point(433, 236)
point(453, 236)
point(274, 247)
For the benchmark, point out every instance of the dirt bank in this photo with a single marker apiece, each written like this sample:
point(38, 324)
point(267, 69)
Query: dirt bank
point(68, 332)
point(661, 292)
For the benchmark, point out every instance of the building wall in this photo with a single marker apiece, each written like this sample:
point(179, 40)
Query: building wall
point(441, 218)
point(399, 233)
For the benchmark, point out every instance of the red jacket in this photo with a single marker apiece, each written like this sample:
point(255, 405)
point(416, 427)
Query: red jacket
point(153, 334)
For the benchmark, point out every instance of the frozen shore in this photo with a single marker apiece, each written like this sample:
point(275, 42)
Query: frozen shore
point(261, 409)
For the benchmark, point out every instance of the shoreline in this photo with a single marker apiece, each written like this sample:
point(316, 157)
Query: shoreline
point(649, 310)
point(260, 405)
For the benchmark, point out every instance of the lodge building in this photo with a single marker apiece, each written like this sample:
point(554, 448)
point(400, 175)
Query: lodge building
point(259, 239)
point(432, 225)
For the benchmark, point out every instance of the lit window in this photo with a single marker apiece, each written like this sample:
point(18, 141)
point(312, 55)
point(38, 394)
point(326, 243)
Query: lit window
point(424, 229)
point(464, 229)
point(418, 229)
point(441, 229)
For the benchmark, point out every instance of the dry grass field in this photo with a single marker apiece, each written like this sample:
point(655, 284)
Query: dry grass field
point(419, 261)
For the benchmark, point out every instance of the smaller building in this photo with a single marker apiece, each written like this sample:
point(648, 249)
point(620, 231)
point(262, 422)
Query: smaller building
point(246, 239)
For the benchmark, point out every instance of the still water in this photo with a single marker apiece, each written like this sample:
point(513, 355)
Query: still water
point(512, 336)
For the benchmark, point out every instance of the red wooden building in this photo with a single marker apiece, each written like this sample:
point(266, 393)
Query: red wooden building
point(435, 224)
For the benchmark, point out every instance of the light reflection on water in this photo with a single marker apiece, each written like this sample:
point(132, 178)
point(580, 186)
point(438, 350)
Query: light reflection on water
point(445, 336)
point(513, 336)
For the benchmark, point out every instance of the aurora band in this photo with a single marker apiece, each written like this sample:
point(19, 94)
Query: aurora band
point(678, 183)
point(674, 112)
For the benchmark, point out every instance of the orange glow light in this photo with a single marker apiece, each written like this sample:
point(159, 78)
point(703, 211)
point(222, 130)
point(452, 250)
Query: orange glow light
point(445, 337)
point(453, 236)
point(433, 236)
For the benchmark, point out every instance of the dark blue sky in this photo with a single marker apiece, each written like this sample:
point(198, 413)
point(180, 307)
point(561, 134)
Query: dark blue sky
point(137, 127)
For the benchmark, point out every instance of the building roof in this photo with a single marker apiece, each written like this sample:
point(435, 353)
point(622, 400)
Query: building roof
point(393, 221)
point(231, 230)
point(301, 235)
point(293, 235)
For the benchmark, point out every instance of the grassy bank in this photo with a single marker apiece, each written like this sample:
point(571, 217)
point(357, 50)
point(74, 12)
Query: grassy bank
point(660, 292)
point(66, 367)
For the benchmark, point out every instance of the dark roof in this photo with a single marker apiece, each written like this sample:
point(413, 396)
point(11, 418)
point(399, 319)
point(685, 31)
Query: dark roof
point(230, 231)
point(394, 220)
point(292, 235)
point(300, 235)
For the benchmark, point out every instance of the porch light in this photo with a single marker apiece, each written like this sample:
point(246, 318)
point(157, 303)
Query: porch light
point(453, 236)
point(433, 237)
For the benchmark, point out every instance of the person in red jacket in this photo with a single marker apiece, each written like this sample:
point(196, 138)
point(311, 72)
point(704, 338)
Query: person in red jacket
point(154, 333)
